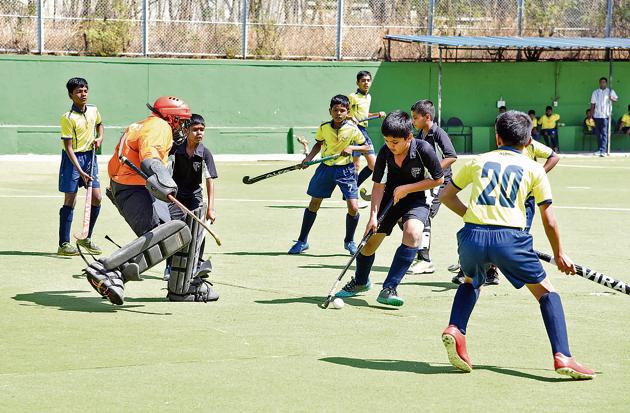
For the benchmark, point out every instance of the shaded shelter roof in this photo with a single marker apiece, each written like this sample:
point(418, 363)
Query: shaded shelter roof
point(517, 42)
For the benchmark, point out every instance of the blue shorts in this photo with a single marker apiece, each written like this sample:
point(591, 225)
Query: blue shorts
point(69, 178)
point(368, 141)
point(530, 210)
point(510, 249)
point(327, 177)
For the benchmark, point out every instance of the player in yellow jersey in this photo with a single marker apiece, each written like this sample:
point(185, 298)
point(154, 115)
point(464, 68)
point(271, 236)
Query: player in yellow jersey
point(589, 123)
point(360, 102)
point(549, 128)
point(494, 219)
point(336, 137)
point(81, 134)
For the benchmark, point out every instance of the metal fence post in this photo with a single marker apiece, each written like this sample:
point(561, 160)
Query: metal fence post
point(519, 18)
point(430, 25)
point(609, 16)
point(244, 29)
point(339, 28)
point(145, 27)
point(40, 26)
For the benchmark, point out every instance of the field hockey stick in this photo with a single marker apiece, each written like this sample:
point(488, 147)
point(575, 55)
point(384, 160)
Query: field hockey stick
point(87, 210)
point(247, 180)
point(362, 244)
point(173, 200)
point(368, 118)
point(591, 275)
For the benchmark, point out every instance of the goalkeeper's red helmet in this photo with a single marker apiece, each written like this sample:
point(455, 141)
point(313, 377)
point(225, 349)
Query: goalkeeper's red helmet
point(174, 111)
point(171, 109)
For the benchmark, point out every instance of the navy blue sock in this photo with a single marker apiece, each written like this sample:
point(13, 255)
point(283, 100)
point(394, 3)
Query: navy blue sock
point(351, 226)
point(463, 305)
point(553, 316)
point(65, 223)
point(363, 175)
point(403, 258)
point(307, 224)
point(93, 217)
point(364, 265)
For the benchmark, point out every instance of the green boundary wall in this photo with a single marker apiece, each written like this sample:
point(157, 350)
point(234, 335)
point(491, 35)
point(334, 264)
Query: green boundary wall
point(256, 107)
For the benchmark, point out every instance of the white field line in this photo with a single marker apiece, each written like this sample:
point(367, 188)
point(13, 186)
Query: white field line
point(578, 187)
point(563, 165)
point(305, 202)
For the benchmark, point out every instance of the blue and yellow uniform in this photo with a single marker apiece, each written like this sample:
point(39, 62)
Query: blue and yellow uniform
point(336, 172)
point(549, 129)
point(625, 122)
point(501, 181)
point(360, 109)
point(80, 127)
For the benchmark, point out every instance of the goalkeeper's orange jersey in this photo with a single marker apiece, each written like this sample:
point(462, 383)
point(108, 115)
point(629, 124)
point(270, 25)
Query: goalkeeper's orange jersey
point(150, 138)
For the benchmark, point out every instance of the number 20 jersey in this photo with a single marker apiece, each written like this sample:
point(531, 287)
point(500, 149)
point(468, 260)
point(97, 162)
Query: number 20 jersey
point(501, 181)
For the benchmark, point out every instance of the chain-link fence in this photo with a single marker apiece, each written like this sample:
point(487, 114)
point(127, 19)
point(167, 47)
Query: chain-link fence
point(294, 29)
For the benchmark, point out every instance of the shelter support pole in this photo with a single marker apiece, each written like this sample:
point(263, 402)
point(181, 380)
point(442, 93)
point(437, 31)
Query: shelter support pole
point(440, 87)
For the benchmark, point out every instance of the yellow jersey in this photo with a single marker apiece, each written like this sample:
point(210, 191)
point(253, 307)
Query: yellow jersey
point(501, 182)
point(80, 127)
point(625, 120)
point(589, 123)
point(360, 106)
point(336, 140)
point(537, 150)
point(549, 122)
point(534, 122)
point(150, 138)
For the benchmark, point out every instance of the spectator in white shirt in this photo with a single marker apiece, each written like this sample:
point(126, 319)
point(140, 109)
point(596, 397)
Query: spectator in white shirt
point(601, 109)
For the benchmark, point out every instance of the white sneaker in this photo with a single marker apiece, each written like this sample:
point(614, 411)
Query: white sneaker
point(422, 267)
point(363, 204)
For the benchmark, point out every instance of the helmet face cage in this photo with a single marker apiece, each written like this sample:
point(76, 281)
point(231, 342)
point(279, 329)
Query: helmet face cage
point(180, 132)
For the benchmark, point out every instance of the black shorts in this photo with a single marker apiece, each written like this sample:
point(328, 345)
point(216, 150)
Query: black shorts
point(404, 210)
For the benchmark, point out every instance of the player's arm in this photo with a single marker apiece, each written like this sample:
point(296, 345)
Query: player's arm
point(432, 165)
point(358, 148)
point(360, 144)
point(209, 173)
point(553, 235)
point(210, 214)
point(402, 191)
point(551, 162)
point(379, 114)
point(447, 148)
point(314, 151)
point(67, 144)
point(100, 130)
point(448, 196)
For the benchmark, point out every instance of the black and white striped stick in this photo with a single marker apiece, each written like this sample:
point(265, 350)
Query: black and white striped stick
point(591, 275)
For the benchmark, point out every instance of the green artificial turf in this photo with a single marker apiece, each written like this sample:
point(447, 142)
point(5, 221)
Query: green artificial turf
point(266, 346)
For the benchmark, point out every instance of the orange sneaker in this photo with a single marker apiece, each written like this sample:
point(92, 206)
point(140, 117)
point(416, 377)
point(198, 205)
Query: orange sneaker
point(569, 367)
point(455, 343)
